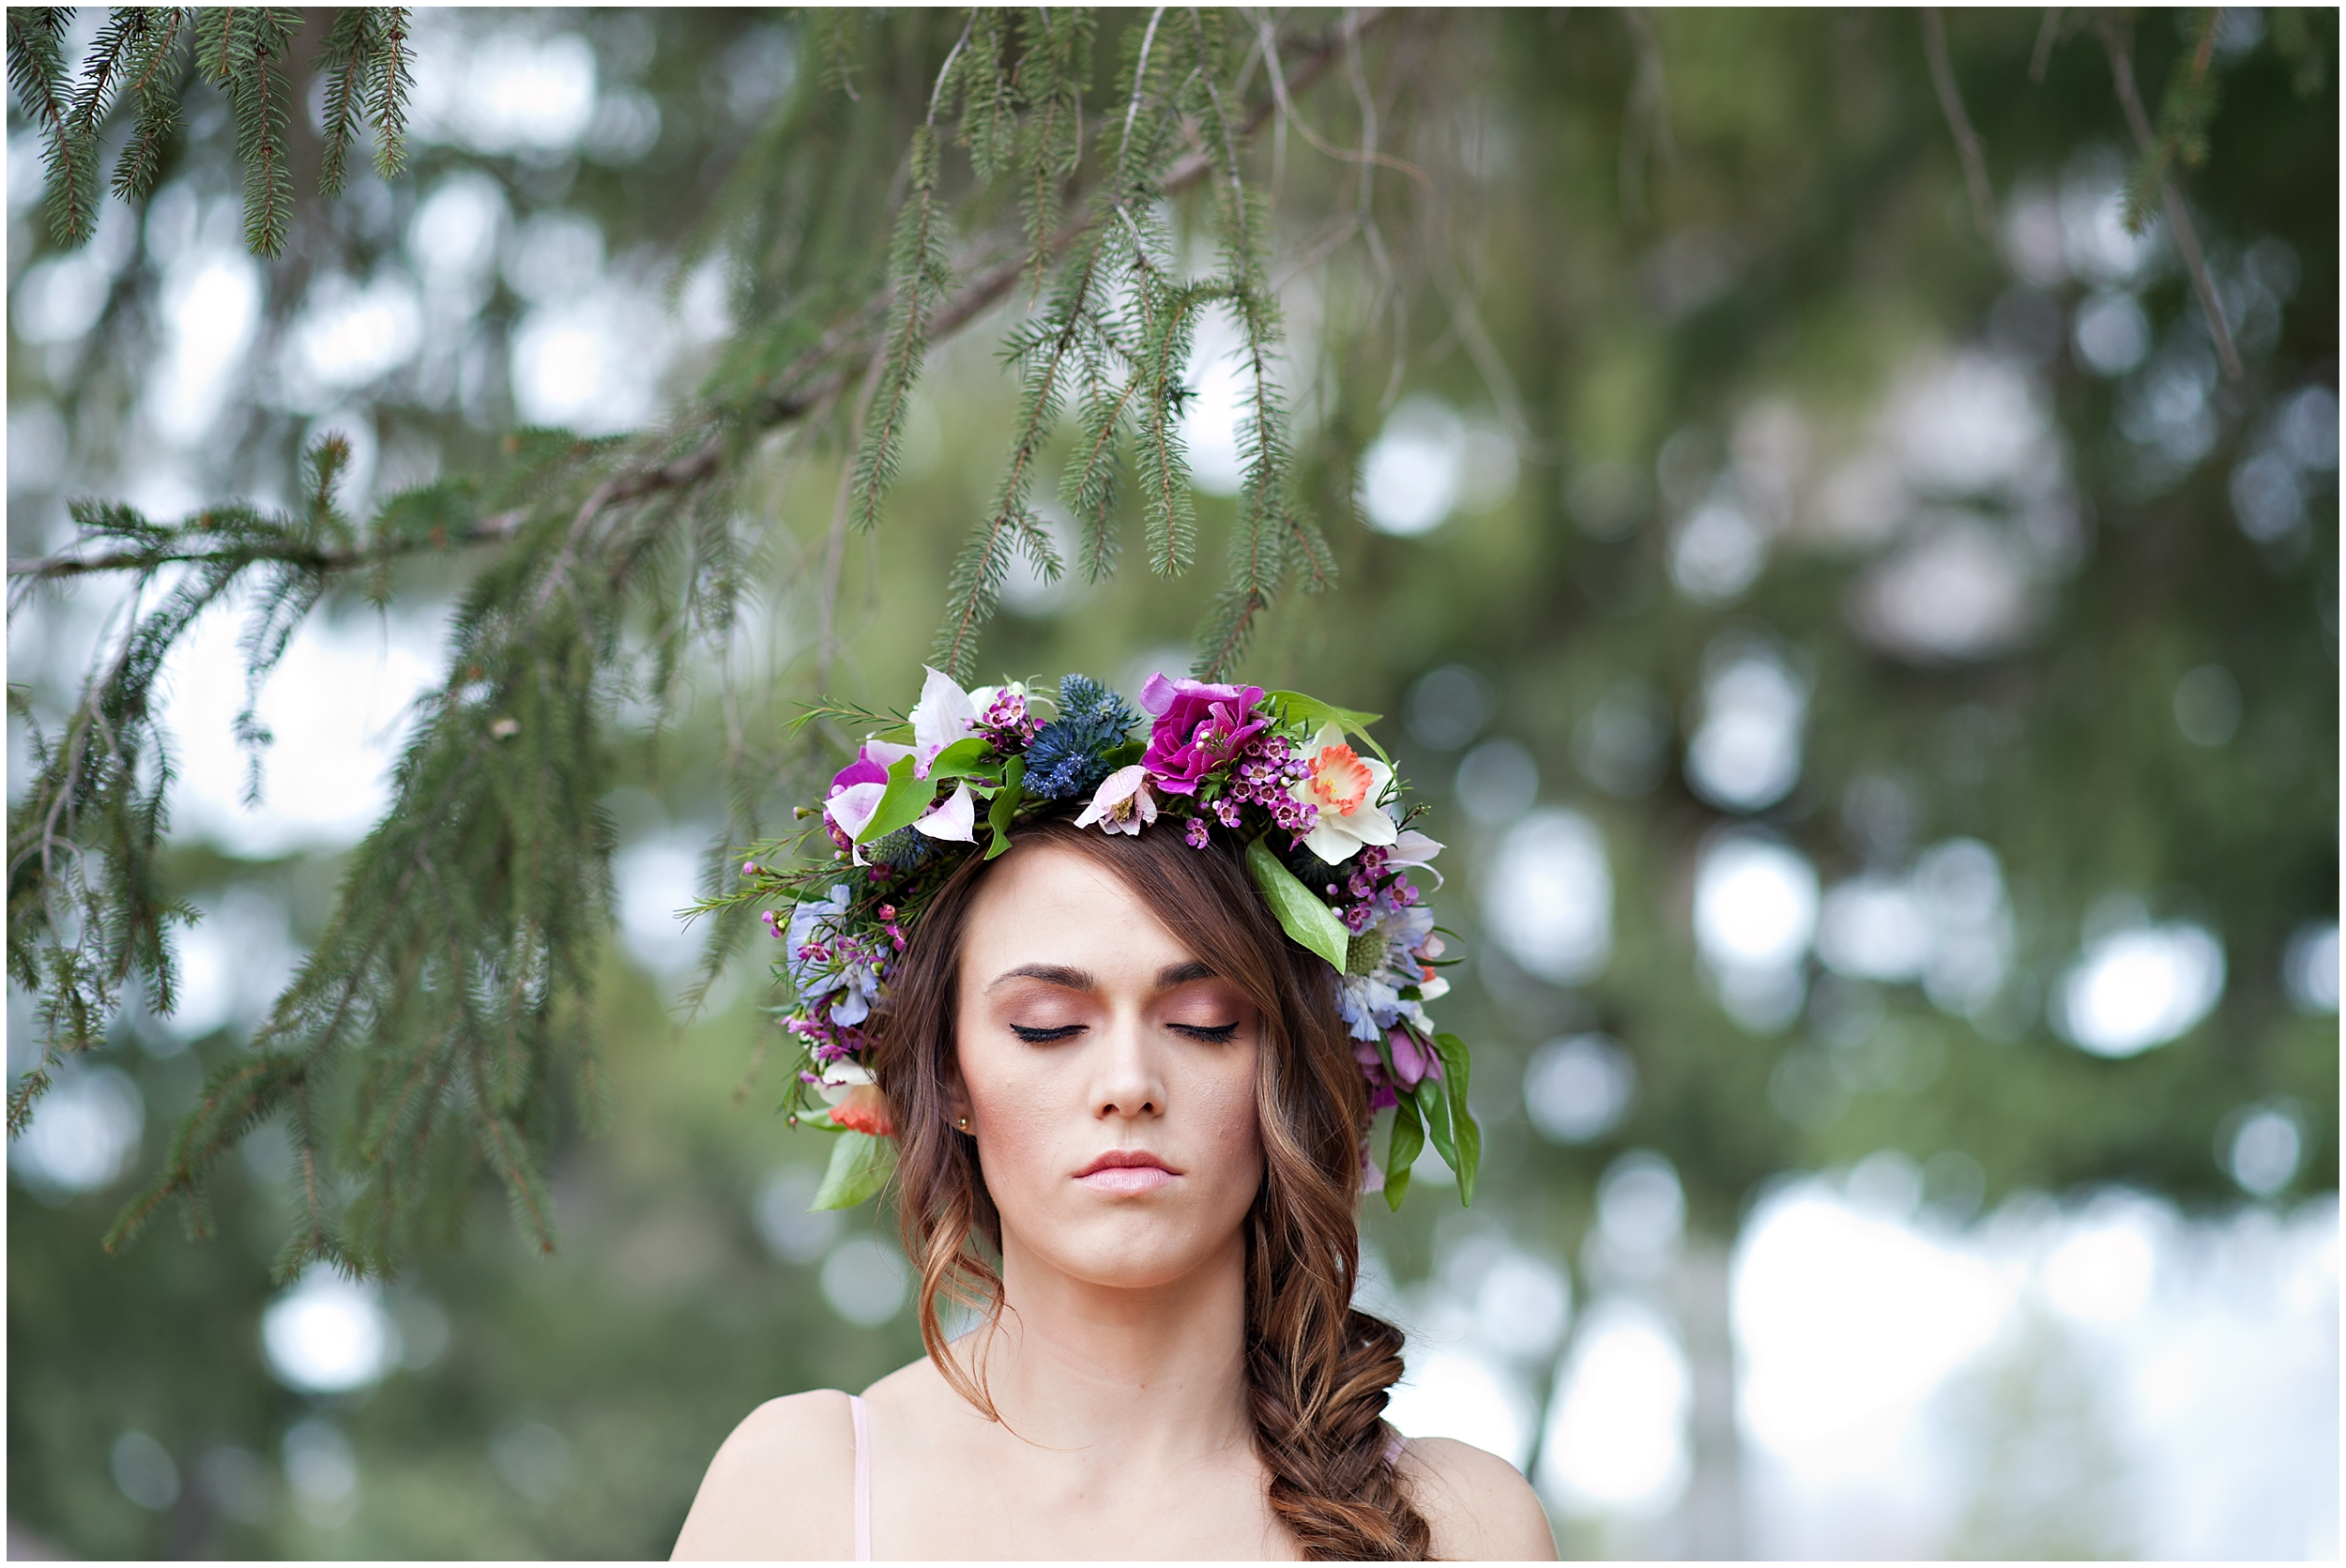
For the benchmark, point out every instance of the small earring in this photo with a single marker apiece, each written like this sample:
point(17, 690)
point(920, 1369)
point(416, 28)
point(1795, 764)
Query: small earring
point(963, 1123)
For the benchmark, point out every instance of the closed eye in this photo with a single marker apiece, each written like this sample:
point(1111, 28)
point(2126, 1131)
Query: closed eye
point(1218, 1034)
point(1043, 1037)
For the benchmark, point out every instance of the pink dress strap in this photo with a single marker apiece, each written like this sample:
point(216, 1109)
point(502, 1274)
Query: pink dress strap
point(862, 1480)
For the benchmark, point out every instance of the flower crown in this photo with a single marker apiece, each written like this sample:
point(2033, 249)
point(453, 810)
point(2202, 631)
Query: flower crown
point(1327, 842)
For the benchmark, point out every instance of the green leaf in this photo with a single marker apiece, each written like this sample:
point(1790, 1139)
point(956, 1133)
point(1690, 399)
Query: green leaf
point(1006, 804)
point(1310, 712)
point(1467, 1132)
point(1434, 1105)
point(906, 802)
point(1401, 1150)
point(972, 754)
point(861, 1165)
point(1302, 915)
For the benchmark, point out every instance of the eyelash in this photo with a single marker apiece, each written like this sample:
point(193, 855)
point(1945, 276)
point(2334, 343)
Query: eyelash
point(1044, 1037)
point(1216, 1034)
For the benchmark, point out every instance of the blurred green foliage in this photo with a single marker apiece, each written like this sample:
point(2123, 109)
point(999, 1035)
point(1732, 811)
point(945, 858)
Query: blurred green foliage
point(1617, 258)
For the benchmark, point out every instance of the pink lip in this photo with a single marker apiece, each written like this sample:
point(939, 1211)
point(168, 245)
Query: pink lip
point(1125, 1171)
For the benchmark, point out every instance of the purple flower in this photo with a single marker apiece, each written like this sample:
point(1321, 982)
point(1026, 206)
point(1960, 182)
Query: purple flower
point(1414, 1062)
point(1005, 720)
point(1201, 729)
point(1380, 1082)
point(855, 791)
point(861, 771)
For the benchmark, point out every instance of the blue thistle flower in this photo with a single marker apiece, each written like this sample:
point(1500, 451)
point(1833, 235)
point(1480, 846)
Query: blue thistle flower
point(1068, 756)
point(904, 851)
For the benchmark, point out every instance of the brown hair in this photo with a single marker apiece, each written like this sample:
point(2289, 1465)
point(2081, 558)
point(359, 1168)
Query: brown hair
point(1316, 1370)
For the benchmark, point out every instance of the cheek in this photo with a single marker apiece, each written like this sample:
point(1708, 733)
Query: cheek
point(1018, 1108)
point(1224, 1126)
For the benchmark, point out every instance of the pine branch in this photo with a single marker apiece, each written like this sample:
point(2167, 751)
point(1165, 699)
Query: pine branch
point(155, 79)
point(244, 50)
point(1165, 504)
point(920, 268)
point(989, 114)
point(391, 84)
point(347, 56)
point(102, 72)
point(1057, 54)
point(2179, 220)
point(2048, 34)
point(1258, 544)
point(2294, 42)
point(453, 981)
point(39, 76)
point(1165, 325)
point(977, 579)
point(1646, 115)
point(1967, 143)
point(834, 28)
point(189, 545)
point(2184, 113)
point(1089, 489)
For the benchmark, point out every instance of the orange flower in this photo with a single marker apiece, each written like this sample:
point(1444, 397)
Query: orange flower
point(1344, 786)
point(1340, 779)
point(866, 1110)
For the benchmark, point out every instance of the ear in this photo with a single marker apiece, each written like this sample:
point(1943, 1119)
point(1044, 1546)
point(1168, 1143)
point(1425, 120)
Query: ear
point(956, 1098)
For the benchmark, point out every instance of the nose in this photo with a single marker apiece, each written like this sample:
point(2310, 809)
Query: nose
point(1128, 1082)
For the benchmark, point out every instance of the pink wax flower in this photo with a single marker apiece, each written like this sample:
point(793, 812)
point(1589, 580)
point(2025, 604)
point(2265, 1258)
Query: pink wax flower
point(1201, 729)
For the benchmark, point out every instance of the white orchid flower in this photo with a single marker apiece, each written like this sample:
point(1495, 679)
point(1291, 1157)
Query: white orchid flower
point(852, 810)
point(943, 715)
point(1413, 848)
point(956, 819)
point(1347, 787)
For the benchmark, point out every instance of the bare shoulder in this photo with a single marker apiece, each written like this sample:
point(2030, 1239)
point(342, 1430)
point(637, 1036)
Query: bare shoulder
point(781, 1487)
point(1480, 1506)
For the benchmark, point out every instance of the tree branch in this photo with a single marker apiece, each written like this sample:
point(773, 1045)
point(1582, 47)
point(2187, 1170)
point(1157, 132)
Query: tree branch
point(1647, 109)
point(488, 530)
point(2186, 238)
point(1967, 141)
point(2041, 56)
point(981, 292)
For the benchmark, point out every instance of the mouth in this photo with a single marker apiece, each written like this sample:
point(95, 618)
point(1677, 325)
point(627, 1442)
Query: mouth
point(1127, 1171)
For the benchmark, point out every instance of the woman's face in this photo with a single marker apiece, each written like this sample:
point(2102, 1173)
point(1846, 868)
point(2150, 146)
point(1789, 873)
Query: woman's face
point(1109, 1076)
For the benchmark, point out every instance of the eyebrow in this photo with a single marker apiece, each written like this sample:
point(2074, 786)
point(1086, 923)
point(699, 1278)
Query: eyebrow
point(1049, 974)
point(1082, 980)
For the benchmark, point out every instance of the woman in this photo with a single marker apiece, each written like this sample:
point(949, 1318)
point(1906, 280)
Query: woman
point(1106, 1065)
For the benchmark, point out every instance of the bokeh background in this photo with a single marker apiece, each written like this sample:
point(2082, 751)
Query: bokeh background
point(1877, 682)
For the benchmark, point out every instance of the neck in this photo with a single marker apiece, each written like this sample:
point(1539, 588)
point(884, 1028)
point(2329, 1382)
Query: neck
point(1157, 1371)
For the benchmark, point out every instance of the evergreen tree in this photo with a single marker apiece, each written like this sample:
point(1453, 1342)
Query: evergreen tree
point(1608, 231)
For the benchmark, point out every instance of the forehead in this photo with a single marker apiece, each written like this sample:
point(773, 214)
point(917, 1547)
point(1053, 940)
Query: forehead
point(1046, 903)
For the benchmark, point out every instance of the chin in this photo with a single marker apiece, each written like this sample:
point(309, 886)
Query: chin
point(1134, 1246)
